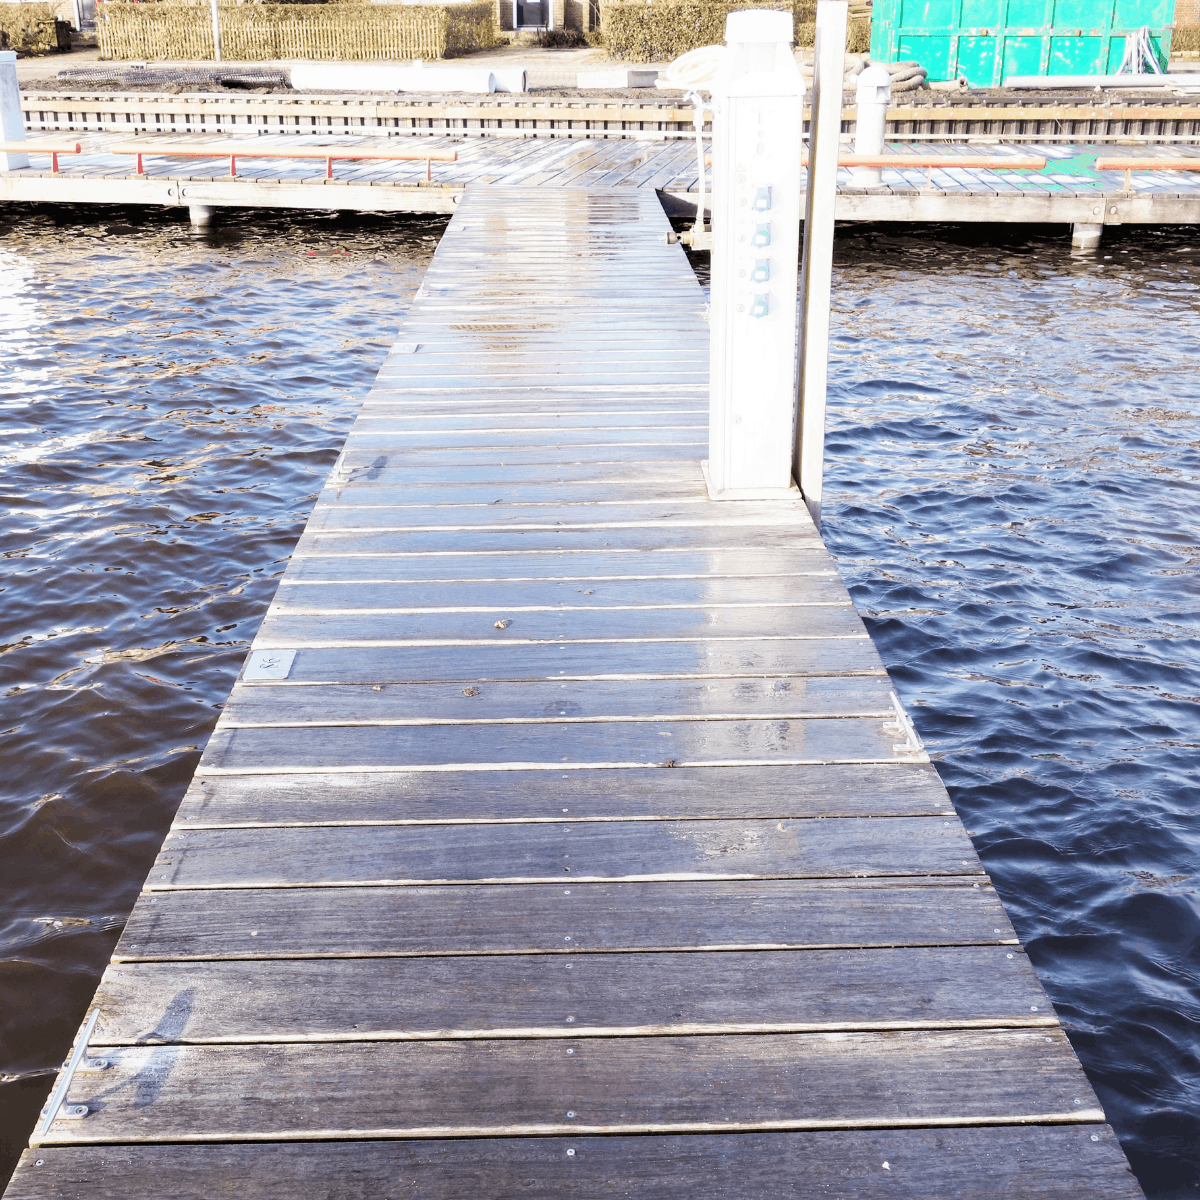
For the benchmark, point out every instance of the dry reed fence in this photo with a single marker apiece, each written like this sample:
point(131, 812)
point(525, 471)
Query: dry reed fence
point(660, 30)
point(254, 32)
point(29, 27)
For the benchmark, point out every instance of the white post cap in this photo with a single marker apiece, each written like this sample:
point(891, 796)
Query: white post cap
point(758, 25)
point(8, 56)
point(875, 79)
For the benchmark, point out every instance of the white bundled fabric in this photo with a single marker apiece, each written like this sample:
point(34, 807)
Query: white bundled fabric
point(1140, 54)
point(695, 69)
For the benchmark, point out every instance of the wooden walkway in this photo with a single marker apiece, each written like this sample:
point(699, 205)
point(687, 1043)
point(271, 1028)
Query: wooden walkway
point(558, 839)
point(1070, 190)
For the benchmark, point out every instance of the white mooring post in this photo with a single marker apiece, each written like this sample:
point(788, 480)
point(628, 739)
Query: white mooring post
point(871, 100)
point(12, 120)
point(816, 268)
point(757, 103)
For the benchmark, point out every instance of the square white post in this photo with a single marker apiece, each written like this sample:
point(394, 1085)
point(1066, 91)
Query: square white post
point(12, 119)
point(758, 97)
point(816, 270)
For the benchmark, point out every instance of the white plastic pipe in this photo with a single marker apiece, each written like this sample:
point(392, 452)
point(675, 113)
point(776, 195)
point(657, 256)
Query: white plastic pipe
point(757, 106)
point(1048, 82)
point(817, 267)
point(12, 120)
point(384, 77)
point(872, 96)
point(512, 80)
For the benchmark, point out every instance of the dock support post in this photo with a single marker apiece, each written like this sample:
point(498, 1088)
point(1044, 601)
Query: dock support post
point(216, 30)
point(1086, 237)
point(816, 270)
point(871, 97)
point(200, 215)
point(12, 119)
point(757, 107)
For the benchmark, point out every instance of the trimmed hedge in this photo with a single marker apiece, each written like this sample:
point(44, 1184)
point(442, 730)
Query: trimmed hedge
point(660, 30)
point(32, 28)
point(638, 31)
point(254, 32)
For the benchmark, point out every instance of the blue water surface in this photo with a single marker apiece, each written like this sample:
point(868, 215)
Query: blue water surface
point(1013, 497)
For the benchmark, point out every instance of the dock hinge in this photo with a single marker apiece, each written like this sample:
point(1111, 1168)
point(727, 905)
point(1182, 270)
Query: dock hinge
point(903, 725)
point(55, 1109)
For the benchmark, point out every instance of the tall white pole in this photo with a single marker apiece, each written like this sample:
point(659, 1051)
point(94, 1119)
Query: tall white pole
point(12, 119)
point(216, 22)
point(816, 270)
point(757, 105)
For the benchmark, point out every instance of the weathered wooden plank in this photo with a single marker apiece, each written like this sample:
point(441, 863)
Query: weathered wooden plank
point(351, 490)
point(707, 566)
point(578, 595)
point(565, 540)
point(1037, 1162)
point(394, 467)
point(575, 851)
point(478, 1087)
point(419, 797)
point(557, 459)
point(550, 746)
point(372, 999)
point(422, 703)
point(371, 432)
point(831, 620)
point(474, 664)
point(353, 514)
point(558, 919)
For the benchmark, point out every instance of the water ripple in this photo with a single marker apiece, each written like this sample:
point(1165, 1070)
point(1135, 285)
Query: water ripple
point(171, 404)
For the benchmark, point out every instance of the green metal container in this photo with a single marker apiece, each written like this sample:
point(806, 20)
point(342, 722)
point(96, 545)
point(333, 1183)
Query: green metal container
point(989, 40)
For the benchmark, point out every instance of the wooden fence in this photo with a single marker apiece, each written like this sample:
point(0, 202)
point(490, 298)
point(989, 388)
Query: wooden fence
point(254, 32)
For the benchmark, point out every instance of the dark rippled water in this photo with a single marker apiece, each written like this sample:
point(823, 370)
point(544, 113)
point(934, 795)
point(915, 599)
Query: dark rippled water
point(1014, 499)
point(171, 404)
point(1012, 496)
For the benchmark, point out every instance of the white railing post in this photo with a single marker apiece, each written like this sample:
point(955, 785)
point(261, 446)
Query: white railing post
point(216, 24)
point(12, 119)
point(757, 105)
point(816, 270)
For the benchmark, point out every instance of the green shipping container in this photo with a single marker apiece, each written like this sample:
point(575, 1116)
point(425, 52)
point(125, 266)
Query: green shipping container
point(988, 40)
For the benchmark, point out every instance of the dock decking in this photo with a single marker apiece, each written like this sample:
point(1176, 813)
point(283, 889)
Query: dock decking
point(558, 839)
point(1069, 191)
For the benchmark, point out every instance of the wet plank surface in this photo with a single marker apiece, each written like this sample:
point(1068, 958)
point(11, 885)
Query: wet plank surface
point(1035, 1162)
point(555, 800)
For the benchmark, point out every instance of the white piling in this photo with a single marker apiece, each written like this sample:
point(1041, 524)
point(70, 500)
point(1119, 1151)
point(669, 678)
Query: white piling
point(871, 98)
point(12, 119)
point(200, 215)
point(757, 105)
point(1086, 237)
point(216, 28)
point(817, 265)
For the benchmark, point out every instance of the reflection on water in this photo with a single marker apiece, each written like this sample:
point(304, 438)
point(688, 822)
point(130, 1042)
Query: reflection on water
point(171, 403)
point(1014, 459)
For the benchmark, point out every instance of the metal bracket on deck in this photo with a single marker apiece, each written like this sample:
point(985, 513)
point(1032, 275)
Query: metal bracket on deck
point(903, 725)
point(78, 1061)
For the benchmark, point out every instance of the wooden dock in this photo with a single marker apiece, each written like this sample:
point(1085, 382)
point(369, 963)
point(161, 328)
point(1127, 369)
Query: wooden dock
point(560, 838)
point(1080, 117)
point(1069, 191)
